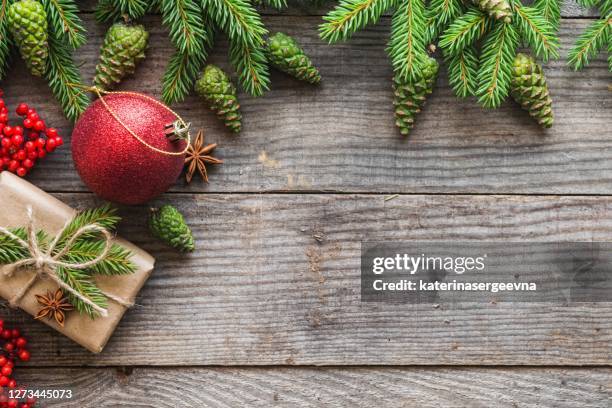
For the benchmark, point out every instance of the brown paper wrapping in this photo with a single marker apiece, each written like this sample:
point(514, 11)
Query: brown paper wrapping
point(50, 214)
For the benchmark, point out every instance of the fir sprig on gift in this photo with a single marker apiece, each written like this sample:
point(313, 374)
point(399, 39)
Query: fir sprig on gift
point(63, 35)
point(595, 38)
point(84, 249)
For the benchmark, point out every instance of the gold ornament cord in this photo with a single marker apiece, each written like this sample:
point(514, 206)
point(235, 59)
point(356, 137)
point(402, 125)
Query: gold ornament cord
point(46, 263)
point(101, 92)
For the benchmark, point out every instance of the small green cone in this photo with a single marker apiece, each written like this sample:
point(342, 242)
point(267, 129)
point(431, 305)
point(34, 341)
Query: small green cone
point(216, 88)
point(27, 22)
point(497, 9)
point(530, 90)
point(168, 224)
point(285, 54)
point(124, 47)
point(409, 96)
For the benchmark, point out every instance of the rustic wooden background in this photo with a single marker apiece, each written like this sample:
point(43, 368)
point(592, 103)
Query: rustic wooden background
point(267, 312)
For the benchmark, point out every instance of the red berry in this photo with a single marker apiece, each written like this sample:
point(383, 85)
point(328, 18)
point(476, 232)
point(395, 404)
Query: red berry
point(27, 123)
point(24, 355)
point(3, 361)
point(3, 117)
point(41, 153)
point(33, 116)
point(28, 164)
point(51, 132)
point(21, 342)
point(8, 130)
point(22, 109)
point(59, 141)
point(6, 334)
point(29, 146)
point(10, 347)
point(12, 404)
point(21, 156)
point(6, 371)
point(39, 125)
point(6, 142)
point(51, 144)
point(33, 155)
point(3, 381)
point(24, 405)
point(21, 172)
point(15, 333)
point(33, 136)
point(17, 140)
point(41, 142)
point(12, 383)
point(2, 104)
point(18, 130)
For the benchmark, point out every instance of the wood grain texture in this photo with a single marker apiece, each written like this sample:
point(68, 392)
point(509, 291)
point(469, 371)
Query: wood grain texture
point(341, 137)
point(275, 281)
point(329, 387)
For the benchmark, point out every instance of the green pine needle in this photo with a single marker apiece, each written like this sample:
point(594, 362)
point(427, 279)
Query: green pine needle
point(5, 39)
point(115, 10)
point(465, 30)
point(463, 71)
point(64, 20)
point(496, 62)
point(10, 250)
point(104, 216)
point(238, 19)
point(277, 4)
point(350, 16)
point(117, 262)
point(252, 67)
point(536, 31)
point(180, 75)
point(184, 20)
point(439, 15)
point(550, 10)
point(588, 3)
point(83, 283)
point(61, 73)
point(407, 45)
point(590, 42)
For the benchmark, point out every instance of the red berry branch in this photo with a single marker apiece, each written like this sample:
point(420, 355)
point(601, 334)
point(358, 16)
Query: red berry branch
point(22, 146)
point(14, 349)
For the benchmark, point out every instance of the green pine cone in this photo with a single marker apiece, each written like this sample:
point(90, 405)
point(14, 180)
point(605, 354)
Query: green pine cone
point(530, 90)
point(216, 87)
point(285, 54)
point(409, 96)
point(168, 224)
point(498, 9)
point(124, 47)
point(27, 22)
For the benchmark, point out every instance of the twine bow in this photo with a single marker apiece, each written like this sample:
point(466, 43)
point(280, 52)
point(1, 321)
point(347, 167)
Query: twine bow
point(45, 263)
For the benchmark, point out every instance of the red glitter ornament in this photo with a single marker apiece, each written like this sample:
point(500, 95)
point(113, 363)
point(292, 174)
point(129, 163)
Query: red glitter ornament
point(116, 165)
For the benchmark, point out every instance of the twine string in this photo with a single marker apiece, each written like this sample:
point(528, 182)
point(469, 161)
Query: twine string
point(45, 263)
point(101, 92)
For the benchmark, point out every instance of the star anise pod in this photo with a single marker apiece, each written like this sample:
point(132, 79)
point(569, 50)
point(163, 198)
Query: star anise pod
point(197, 155)
point(54, 306)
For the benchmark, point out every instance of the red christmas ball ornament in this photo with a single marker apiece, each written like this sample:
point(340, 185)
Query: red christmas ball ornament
point(113, 162)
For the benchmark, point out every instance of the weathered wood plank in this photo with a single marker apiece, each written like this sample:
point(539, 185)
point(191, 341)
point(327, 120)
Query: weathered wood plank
point(328, 387)
point(275, 280)
point(340, 136)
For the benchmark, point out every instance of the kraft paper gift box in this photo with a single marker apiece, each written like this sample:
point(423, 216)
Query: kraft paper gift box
point(50, 214)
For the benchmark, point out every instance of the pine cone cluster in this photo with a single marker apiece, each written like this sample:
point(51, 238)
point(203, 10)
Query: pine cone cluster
point(410, 96)
point(123, 48)
point(216, 88)
point(27, 22)
point(530, 90)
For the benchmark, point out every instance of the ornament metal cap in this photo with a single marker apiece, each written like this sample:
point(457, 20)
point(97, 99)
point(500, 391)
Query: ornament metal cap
point(177, 130)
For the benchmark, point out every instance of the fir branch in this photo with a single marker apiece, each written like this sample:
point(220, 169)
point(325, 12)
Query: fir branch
point(588, 3)
point(463, 71)
point(496, 63)
point(184, 20)
point(183, 68)
point(536, 31)
point(439, 15)
point(465, 30)
point(180, 76)
point(349, 16)
point(5, 39)
point(117, 262)
point(115, 10)
point(61, 74)
point(83, 283)
point(104, 216)
point(277, 4)
point(407, 45)
point(64, 20)
point(550, 10)
point(590, 42)
point(238, 19)
point(252, 67)
point(12, 251)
